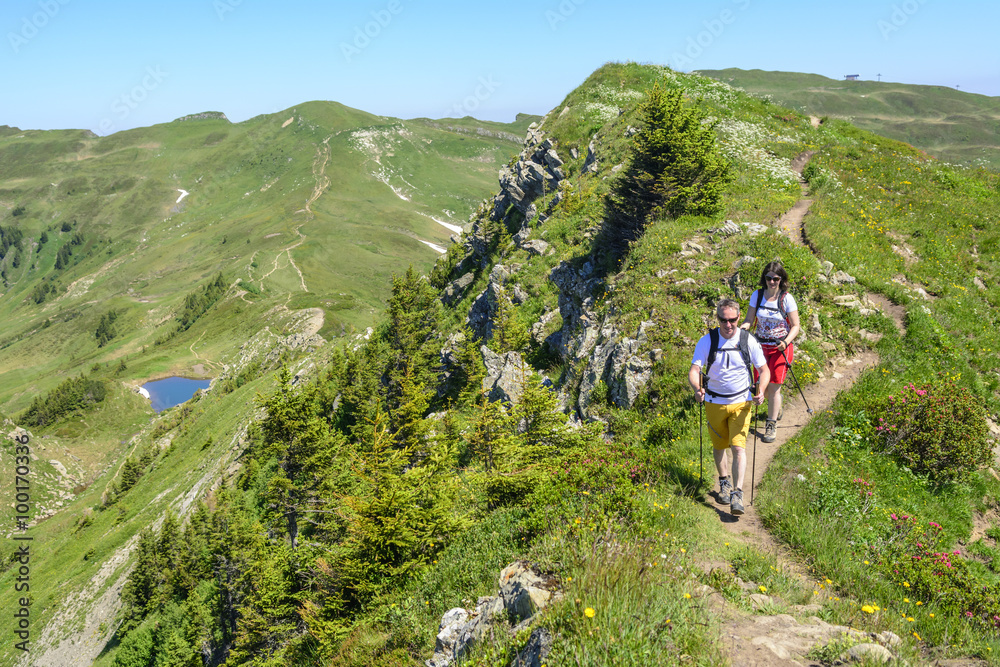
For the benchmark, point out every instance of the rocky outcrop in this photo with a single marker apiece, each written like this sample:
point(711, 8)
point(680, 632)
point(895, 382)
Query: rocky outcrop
point(590, 164)
point(505, 375)
point(524, 592)
point(607, 355)
point(484, 308)
point(537, 171)
point(455, 290)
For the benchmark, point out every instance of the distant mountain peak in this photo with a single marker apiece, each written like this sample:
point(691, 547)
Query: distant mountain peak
point(204, 115)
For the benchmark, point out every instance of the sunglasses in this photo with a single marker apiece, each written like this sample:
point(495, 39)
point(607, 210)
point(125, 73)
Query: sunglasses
point(733, 320)
point(772, 278)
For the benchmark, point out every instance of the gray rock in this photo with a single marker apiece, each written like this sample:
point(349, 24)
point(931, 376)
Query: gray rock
point(536, 247)
point(574, 153)
point(535, 651)
point(870, 336)
point(522, 592)
point(590, 164)
point(743, 261)
point(730, 228)
point(867, 652)
point(456, 288)
point(629, 379)
point(486, 611)
point(576, 300)
point(827, 267)
point(552, 159)
point(538, 328)
point(814, 324)
point(518, 295)
point(889, 638)
point(505, 375)
point(978, 282)
point(482, 312)
point(842, 278)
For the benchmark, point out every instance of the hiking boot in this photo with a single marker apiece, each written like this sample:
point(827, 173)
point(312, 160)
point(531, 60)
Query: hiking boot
point(725, 489)
point(770, 429)
point(736, 502)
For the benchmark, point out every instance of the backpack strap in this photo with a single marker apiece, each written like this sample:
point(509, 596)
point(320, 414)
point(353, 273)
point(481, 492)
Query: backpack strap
point(713, 349)
point(743, 345)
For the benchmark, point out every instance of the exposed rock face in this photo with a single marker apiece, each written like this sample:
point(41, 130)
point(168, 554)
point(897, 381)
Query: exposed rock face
point(456, 288)
point(590, 164)
point(536, 247)
point(505, 375)
point(524, 592)
point(535, 651)
point(610, 356)
point(576, 301)
point(538, 170)
point(484, 308)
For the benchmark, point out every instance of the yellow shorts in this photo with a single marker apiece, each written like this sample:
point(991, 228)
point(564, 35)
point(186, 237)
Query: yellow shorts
point(728, 424)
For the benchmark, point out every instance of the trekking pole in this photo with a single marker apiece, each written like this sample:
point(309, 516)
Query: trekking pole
point(801, 393)
point(753, 467)
point(701, 442)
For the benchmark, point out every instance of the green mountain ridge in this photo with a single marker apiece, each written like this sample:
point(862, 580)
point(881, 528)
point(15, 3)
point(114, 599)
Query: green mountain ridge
point(333, 514)
point(950, 124)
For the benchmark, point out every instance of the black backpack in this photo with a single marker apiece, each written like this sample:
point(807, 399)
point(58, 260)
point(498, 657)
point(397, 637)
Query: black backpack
point(743, 345)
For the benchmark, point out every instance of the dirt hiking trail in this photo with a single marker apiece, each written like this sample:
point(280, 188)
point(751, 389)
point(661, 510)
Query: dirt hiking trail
point(785, 639)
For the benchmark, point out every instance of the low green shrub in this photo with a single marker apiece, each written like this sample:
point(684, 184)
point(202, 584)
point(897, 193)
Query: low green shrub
point(938, 429)
point(918, 560)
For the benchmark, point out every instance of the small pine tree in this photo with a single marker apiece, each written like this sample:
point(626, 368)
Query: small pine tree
point(509, 334)
point(674, 168)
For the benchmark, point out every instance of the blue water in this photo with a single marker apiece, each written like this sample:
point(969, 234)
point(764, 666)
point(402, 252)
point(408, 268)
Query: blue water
point(173, 391)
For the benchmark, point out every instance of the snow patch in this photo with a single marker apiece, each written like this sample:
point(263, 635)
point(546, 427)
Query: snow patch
point(184, 193)
point(433, 246)
point(447, 225)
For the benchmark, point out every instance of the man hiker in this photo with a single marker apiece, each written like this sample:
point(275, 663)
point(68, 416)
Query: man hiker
point(726, 357)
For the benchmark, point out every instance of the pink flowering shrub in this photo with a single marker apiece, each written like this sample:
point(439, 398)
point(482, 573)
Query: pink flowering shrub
point(919, 561)
point(938, 429)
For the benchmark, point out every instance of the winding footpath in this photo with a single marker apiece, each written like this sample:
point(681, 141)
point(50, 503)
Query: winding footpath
point(781, 640)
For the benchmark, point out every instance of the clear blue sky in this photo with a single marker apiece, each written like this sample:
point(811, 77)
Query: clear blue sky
point(107, 65)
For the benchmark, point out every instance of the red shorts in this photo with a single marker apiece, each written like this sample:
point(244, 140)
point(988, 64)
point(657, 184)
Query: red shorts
point(776, 363)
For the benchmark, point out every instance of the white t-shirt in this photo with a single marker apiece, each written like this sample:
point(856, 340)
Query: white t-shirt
point(770, 324)
point(728, 374)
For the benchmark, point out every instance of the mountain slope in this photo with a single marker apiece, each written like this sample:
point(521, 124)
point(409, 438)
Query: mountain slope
point(951, 125)
point(337, 517)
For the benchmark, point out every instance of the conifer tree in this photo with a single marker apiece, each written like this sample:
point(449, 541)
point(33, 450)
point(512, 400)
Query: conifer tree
point(414, 311)
point(508, 332)
point(673, 169)
point(296, 436)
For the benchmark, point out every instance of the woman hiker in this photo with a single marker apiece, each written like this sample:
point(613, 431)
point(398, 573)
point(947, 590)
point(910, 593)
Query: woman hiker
point(777, 317)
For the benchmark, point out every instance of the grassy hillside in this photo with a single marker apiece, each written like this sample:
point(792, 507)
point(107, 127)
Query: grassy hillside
point(951, 125)
point(313, 207)
point(375, 493)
